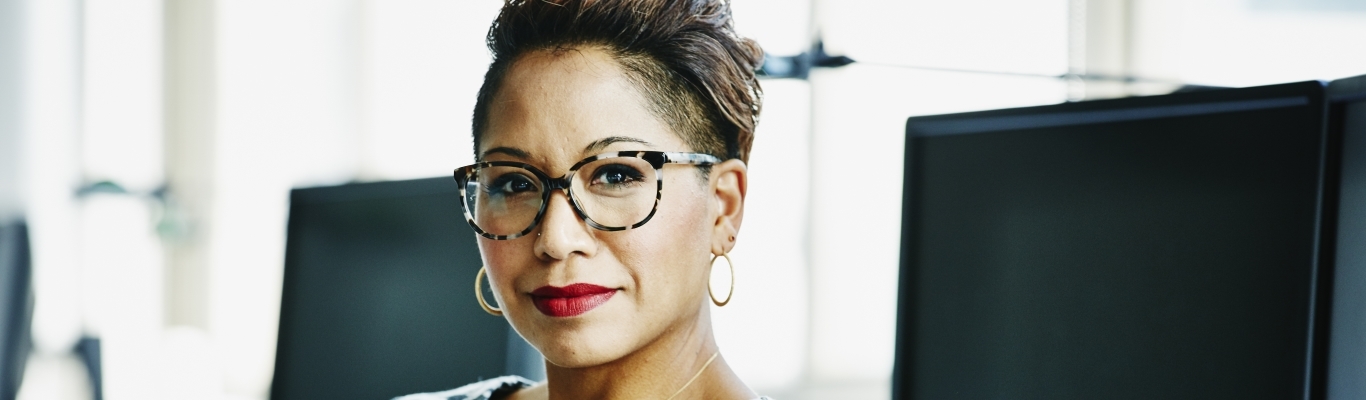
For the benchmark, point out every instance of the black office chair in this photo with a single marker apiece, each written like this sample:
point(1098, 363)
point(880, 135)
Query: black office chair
point(16, 307)
point(378, 297)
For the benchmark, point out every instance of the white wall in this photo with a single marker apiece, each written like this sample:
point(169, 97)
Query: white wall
point(11, 30)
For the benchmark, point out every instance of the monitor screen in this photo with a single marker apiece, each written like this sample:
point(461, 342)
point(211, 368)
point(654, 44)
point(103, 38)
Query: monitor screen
point(378, 296)
point(1161, 247)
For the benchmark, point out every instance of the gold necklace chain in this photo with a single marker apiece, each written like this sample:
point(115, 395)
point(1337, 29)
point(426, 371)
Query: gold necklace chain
point(694, 376)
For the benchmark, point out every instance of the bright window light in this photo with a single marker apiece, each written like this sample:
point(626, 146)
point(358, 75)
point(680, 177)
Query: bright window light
point(425, 61)
point(121, 135)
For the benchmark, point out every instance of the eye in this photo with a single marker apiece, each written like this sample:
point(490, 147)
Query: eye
point(510, 184)
point(617, 175)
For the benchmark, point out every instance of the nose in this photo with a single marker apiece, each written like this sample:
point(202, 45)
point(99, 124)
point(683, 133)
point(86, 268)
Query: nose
point(562, 233)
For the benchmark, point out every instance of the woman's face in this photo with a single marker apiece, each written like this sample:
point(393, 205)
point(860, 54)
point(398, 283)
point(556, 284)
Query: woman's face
point(554, 109)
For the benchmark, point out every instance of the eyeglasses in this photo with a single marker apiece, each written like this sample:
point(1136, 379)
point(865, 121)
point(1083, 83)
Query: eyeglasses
point(610, 191)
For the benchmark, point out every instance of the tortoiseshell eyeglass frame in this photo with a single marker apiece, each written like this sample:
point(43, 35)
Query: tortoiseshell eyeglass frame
point(657, 159)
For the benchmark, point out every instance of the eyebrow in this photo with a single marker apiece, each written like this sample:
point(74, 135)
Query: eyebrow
point(607, 141)
point(512, 151)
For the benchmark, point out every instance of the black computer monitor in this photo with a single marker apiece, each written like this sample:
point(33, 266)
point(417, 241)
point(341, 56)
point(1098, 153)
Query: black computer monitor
point(1163, 247)
point(378, 296)
point(16, 306)
point(1347, 337)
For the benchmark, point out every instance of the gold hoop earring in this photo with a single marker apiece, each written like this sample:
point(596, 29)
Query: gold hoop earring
point(731, 266)
point(479, 294)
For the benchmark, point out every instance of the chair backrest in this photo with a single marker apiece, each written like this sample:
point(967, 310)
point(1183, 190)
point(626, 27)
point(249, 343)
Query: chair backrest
point(378, 296)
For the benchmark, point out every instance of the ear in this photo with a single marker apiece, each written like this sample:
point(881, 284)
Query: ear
point(729, 182)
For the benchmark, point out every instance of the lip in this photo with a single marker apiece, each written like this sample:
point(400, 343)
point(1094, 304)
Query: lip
point(570, 300)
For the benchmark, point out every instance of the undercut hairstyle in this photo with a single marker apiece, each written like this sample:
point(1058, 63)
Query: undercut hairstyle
point(684, 56)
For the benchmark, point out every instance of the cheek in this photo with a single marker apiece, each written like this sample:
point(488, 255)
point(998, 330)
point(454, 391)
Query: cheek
point(505, 260)
point(669, 253)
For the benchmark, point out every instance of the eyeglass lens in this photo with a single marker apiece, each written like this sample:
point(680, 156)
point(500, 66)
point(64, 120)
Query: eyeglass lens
point(613, 192)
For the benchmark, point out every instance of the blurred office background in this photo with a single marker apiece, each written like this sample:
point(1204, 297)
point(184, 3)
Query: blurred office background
point(151, 146)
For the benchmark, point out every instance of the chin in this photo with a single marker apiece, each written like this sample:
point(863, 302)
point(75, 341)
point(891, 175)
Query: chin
point(578, 342)
point(581, 349)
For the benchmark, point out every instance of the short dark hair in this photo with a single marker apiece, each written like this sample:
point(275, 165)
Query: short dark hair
point(684, 56)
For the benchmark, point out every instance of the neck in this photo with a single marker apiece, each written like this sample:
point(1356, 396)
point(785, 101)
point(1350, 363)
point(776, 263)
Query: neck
point(656, 371)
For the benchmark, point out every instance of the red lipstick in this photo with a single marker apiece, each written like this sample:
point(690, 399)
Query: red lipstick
point(570, 300)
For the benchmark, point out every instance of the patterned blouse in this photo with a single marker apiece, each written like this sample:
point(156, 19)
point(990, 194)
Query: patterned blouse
point(492, 389)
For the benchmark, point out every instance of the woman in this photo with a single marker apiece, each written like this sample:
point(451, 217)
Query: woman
point(612, 137)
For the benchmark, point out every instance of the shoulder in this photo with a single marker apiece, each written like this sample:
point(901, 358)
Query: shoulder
point(495, 388)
